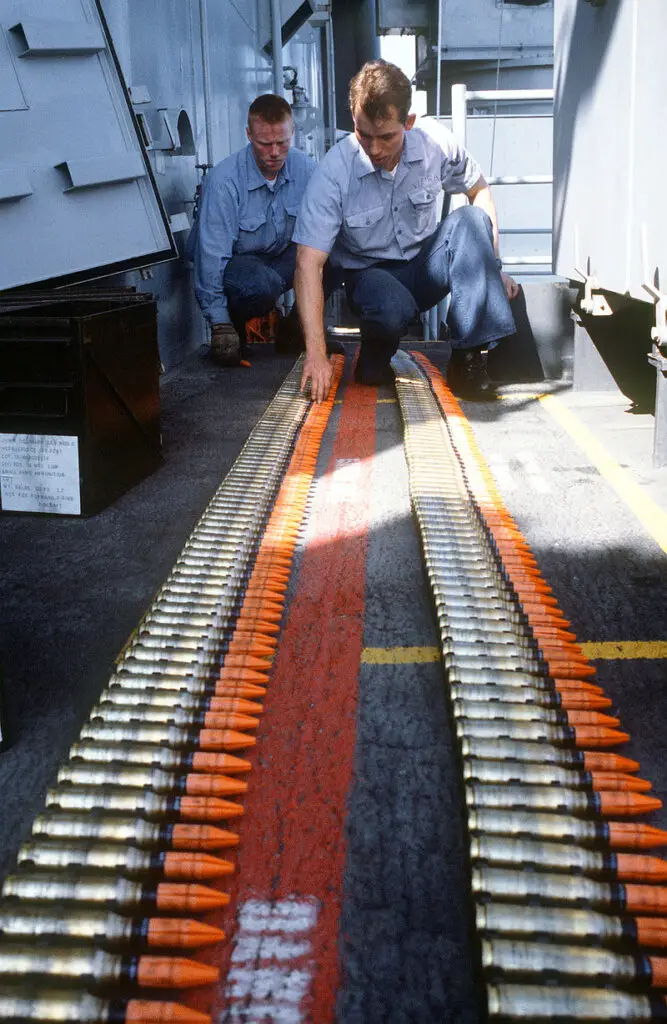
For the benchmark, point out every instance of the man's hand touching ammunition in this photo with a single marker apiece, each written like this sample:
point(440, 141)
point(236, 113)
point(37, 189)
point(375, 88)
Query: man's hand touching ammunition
point(318, 370)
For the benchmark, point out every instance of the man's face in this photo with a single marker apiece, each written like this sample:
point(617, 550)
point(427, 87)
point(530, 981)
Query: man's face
point(382, 139)
point(270, 144)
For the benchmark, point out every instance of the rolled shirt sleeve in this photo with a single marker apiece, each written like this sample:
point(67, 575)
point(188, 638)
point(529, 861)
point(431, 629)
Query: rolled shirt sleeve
point(459, 170)
point(321, 211)
point(218, 228)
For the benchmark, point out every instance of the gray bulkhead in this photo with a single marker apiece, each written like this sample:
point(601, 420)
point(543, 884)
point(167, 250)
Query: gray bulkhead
point(77, 198)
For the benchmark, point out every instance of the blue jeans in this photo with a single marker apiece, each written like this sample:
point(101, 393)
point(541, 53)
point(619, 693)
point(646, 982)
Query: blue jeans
point(253, 283)
point(458, 258)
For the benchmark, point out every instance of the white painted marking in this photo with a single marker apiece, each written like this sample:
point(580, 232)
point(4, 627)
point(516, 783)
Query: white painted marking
point(263, 947)
point(281, 983)
point(271, 972)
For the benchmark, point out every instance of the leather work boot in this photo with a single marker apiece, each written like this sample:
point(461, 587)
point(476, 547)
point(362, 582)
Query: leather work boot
point(467, 374)
point(225, 345)
point(263, 330)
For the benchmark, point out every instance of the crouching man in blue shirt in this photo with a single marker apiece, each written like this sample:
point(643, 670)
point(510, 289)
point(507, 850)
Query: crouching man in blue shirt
point(370, 211)
point(243, 252)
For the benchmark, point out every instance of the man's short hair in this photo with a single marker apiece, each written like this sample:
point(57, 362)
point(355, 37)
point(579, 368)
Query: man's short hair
point(377, 87)
point(271, 108)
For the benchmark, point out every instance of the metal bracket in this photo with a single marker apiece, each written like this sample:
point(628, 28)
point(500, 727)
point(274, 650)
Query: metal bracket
point(588, 303)
point(659, 332)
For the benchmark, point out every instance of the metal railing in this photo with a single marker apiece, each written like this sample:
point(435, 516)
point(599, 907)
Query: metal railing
point(461, 96)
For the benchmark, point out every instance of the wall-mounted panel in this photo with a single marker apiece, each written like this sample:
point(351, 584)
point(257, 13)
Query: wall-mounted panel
point(609, 145)
point(91, 204)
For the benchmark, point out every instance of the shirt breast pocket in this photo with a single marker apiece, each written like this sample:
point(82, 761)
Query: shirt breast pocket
point(291, 213)
point(423, 206)
point(253, 233)
point(362, 228)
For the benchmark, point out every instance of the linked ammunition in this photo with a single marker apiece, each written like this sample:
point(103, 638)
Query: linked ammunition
point(131, 831)
point(557, 798)
point(550, 1003)
point(136, 776)
point(76, 1007)
point(492, 710)
point(140, 801)
point(160, 757)
point(158, 698)
point(581, 736)
point(178, 717)
point(545, 695)
point(126, 860)
point(515, 886)
point(569, 923)
point(87, 966)
point(171, 735)
point(544, 753)
point(105, 928)
point(477, 770)
point(514, 958)
point(511, 852)
point(113, 892)
point(617, 835)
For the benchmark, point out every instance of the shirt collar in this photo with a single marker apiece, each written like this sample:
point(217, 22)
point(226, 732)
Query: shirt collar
point(255, 177)
point(413, 152)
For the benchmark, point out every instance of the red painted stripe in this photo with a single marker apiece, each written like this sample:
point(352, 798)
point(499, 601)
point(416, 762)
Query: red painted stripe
point(292, 839)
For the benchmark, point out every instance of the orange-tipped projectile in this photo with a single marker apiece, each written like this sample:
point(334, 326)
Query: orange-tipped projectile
point(615, 804)
point(174, 972)
point(619, 782)
point(651, 931)
point(208, 808)
point(237, 705)
point(202, 837)
point(246, 690)
point(578, 686)
point(201, 866)
point(181, 933)
point(149, 1011)
point(213, 785)
point(229, 720)
point(254, 648)
point(246, 661)
point(219, 764)
point(571, 700)
point(598, 736)
point(592, 718)
point(242, 675)
point(229, 739)
point(570, 669)
point(248, 622)
point(597, 761)
point(637, 867)
point(626, 835)
point(645, 899)
point(198, 899)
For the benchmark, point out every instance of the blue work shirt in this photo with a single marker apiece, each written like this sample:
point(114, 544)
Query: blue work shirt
point(239, 213)
point(361, 215)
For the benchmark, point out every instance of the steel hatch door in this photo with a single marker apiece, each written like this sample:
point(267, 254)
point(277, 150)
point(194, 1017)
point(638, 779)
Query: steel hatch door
point(77, 195)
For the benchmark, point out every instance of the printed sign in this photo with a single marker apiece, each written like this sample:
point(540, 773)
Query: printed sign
point(40, 473)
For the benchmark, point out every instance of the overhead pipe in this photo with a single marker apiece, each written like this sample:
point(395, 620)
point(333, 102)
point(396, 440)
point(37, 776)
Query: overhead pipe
point(277, 47)
point(206, 80)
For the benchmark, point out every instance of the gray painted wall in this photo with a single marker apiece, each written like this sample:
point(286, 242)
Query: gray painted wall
point(609, 144)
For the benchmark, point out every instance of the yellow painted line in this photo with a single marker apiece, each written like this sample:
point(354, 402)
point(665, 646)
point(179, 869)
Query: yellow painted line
point(649, 514)
point(625, 650)
point(399, 655)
